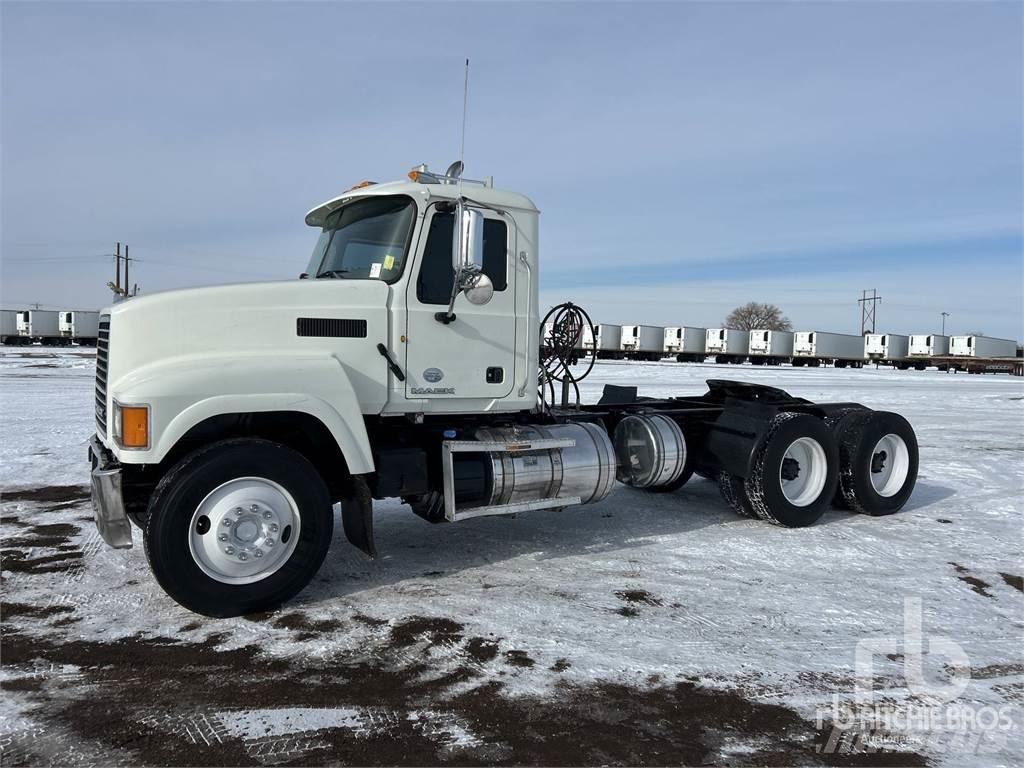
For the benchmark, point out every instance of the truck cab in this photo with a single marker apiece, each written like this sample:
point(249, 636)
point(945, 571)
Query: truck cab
point(362, 334)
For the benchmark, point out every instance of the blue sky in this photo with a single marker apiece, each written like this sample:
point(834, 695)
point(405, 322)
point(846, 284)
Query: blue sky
point(687, 157)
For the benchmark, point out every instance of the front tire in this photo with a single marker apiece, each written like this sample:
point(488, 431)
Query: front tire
point(238, 527)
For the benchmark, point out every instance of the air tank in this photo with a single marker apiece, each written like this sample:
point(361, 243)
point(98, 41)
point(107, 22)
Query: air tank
point(651, 450)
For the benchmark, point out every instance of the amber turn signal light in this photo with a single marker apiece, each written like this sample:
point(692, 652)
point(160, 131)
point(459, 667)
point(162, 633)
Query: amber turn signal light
point(134, 426)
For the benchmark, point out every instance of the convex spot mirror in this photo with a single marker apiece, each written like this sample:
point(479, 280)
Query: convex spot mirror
point(478, 288)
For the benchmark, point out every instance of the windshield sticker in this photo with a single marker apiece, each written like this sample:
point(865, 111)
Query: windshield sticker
point(389, 262)
point(375, 269)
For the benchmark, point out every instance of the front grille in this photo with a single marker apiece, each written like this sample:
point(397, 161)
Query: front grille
point(102, 361)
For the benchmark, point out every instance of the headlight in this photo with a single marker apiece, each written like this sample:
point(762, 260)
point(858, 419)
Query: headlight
point(131, 426)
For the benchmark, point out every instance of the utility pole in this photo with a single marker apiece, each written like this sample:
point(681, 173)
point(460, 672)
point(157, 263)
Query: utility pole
point(944, 316)
point(867, 310)
point(115, 286)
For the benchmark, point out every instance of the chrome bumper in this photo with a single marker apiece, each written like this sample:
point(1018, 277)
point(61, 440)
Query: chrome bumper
point(107, 501)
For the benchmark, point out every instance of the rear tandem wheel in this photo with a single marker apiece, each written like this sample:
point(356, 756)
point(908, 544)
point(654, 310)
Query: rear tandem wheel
point(794, 474)
point(878, 462)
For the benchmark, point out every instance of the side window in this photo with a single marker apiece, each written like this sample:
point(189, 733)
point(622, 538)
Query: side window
point(434, 283)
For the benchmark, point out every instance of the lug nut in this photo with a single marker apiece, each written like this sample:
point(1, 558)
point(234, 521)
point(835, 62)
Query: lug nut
point(227, 521)
point(270, 542)
point(258, 553)
point(253, 508)
point(242, 556)
point(229, 550)
point(223, 537)
point(238, 510)
point(267, 515)
point(273, 527)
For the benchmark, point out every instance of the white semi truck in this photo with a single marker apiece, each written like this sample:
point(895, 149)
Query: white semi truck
point(981, 346)
point(770, 347)
point(405, 365)
point(814, 348)
point(687, 344)
point(80, 327)
point(39, 325)
point(887, 348)
point(728, 345)
point(642, 342)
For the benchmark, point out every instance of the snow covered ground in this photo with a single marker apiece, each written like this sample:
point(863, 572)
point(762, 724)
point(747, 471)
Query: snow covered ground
point(645, 629)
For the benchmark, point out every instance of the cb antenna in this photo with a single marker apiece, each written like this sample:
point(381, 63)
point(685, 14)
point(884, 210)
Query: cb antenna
point(462, 144)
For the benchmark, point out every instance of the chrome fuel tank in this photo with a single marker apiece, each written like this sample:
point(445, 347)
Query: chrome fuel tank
point(586, 470)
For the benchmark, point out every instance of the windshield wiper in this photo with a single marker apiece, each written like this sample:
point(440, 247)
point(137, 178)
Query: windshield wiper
point(333, 272)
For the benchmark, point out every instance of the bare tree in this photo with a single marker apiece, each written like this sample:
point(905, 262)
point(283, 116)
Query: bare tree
point(753, 315)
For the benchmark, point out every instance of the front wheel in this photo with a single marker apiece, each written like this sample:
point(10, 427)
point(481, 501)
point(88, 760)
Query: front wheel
point(238, 527)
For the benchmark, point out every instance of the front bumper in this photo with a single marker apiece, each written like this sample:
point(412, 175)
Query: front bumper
point(107, 500)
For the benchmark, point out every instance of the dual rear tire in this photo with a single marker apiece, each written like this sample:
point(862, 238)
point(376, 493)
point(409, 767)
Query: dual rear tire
point(863, 460)
point(878, 456)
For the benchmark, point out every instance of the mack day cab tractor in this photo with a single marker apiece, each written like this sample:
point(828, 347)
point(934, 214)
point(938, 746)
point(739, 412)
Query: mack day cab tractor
point(407, 364)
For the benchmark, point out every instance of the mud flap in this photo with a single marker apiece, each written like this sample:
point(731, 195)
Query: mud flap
point(357, 515)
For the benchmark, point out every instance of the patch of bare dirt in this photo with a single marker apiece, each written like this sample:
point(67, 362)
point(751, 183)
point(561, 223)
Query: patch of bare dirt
point(432, 629)
point(638, 596)
point(157, 702)
point(481, 650)
point(47, 494)
point(518, 659)
point(54, 535)
point(1017, 582)
point(16, 561)
point(302, 622)
point(15, 610)
point(979, 586)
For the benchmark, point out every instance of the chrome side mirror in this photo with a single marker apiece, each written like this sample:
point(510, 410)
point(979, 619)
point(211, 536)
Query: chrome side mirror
point(478, 288)
point(468, 239)
point(467, 261)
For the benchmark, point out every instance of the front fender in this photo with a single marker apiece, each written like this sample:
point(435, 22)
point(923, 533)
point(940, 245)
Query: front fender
point(182, 392)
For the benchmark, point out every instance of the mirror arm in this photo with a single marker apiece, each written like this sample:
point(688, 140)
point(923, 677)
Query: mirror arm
point(449, 316)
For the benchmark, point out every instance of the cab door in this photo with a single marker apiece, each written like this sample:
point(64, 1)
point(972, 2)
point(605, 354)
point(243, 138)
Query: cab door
point(472, 357)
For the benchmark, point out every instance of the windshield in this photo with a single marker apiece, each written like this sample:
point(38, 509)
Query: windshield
point(367, 239)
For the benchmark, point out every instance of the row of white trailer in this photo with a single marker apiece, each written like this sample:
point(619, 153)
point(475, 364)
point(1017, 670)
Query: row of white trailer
point(802, 348)
point(21, 327)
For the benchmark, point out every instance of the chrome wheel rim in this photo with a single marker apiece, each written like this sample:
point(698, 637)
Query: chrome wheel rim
point(889, 465)
point(803, 472)
point(244, 530)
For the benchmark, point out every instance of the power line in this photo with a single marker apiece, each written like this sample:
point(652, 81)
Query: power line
point(32, 260)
